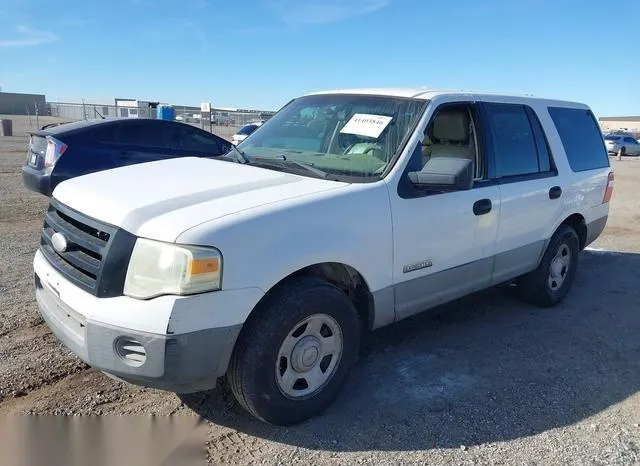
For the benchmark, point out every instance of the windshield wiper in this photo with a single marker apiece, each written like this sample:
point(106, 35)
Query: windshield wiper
point(280, 160)
point(283, 160)
point(239, 155)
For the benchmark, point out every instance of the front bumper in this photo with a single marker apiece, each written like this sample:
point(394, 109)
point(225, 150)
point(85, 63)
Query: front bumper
point(181, 362)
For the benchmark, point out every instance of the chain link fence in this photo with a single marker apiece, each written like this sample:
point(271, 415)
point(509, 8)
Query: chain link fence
point(223, 122)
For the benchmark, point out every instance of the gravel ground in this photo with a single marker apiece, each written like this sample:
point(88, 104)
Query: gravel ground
point(483, 380)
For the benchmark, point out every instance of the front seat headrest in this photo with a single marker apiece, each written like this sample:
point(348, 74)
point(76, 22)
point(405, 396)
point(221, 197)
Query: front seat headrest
point(451, 126)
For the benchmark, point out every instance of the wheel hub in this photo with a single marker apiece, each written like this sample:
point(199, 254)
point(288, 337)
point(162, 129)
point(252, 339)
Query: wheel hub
point(308, 356)
point(305, 354)
point(556, 267)
point(559, 267)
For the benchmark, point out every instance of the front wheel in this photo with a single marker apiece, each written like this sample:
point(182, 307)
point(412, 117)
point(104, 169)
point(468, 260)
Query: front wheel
point(551, 281)
point(294, 354)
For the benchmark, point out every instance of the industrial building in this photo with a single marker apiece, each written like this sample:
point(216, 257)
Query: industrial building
point(630, 124)
point(22, 104)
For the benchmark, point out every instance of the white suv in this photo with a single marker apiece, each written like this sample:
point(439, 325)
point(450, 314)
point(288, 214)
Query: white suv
point(343, 213)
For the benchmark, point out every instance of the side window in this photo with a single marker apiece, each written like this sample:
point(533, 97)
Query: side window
point(581, 138)
point(514, 142)
point(106, 134)
point(186, 138)
point(142, 134)
point(452, 133)
point(630, 140)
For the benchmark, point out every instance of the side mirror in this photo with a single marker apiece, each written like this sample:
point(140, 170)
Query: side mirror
point(444, 174)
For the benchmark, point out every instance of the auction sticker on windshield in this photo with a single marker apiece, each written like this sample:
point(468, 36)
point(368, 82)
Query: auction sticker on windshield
point(363, 124)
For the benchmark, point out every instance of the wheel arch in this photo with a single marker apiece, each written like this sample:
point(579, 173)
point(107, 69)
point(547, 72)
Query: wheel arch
point(578, 223)
point(575, 220)
point(345, 277)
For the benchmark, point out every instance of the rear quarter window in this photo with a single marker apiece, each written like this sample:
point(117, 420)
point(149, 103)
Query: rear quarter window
point(581, 138)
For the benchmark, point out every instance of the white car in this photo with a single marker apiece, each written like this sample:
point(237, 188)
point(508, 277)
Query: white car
point(625, 145)
point(346, 212)
point(244, 132)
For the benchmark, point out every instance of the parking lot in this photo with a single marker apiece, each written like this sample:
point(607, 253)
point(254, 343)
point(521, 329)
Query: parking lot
point(483, 380)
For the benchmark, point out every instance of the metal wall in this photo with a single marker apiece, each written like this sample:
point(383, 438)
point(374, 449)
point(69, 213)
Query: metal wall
point(91, 111)
point(22, 104)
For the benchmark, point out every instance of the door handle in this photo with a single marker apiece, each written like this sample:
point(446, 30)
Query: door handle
point(555, 192)
point(481, 207)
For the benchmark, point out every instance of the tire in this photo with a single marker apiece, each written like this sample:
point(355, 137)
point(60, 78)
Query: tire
point(549, 284)
point(623, 151)
point(261, 378)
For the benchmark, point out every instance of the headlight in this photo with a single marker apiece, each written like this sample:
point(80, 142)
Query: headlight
point(159, 268)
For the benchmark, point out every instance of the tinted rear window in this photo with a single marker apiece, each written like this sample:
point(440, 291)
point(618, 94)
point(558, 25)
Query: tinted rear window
point(72, 126)
point(134, 133)
point(140, 133)
point(581, 138)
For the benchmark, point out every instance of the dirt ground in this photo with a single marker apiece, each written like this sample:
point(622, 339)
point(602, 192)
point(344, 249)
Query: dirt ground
point(484, 380)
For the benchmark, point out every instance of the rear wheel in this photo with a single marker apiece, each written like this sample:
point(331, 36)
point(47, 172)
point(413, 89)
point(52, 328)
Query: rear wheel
point(551, 281)
point(295, 353)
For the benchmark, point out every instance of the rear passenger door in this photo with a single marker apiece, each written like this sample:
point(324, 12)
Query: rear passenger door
point(530, 190)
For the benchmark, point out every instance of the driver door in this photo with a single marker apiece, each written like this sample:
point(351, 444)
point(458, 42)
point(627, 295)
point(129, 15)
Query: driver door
point(444, 242)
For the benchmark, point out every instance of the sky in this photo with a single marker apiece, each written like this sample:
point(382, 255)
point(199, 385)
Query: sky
point(259, 54)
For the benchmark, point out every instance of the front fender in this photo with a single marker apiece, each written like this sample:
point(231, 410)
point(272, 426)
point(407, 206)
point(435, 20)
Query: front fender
point(261, 248)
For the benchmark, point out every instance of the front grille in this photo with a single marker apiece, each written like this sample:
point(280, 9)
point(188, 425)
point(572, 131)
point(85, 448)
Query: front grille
point(96, 256)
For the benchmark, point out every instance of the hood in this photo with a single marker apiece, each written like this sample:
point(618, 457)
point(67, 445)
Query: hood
point(160, 200)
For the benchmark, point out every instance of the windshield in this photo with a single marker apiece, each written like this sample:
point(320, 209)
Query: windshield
point(611, 138)
point(343, 135)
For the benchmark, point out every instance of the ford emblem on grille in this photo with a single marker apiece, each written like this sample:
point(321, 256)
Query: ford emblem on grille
point(59, 242)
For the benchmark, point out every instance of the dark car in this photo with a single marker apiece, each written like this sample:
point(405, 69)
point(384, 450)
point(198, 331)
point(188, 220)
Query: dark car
point(57, 153)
